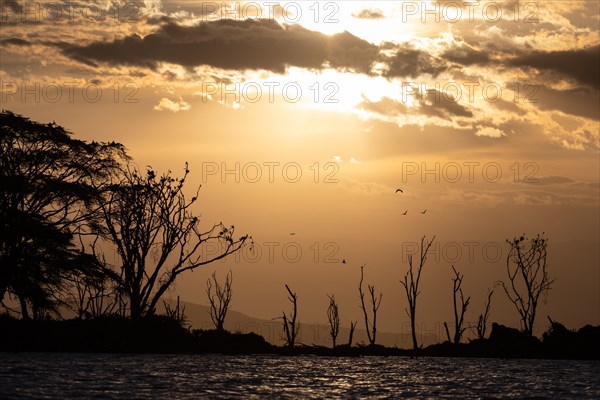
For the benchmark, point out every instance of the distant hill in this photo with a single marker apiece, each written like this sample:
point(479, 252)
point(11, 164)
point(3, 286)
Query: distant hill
point(199, 318)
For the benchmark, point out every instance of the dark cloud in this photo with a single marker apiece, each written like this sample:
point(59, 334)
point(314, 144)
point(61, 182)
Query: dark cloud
point(437, 104)
point(57, 12)
point(579, 65)
point(582, 65)
point(161, 20)
point(433, 104)
point(507, 106)
point(236, 45)
point(369, 14)
point(10, 6)
point(465, 55)
point(346, 51)
point(585, 15)
point(14, 42)
point(409, 62)
point(580, 102)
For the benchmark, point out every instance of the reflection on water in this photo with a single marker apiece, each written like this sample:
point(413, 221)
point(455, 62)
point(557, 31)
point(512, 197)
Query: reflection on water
point(65, 376)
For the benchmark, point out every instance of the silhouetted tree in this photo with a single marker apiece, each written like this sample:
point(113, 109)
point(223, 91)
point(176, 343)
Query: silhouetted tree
point(106, 299)
point(85, 295)
point(220, 299)
point(351, 333)
point(148, 219)
point(371, 327)
point(528, 278)
point(483, 318)
point(91, 294)
point(334, 319)
point(290, 326)
point(78, 299)
point(47, 182)
point(447, 331)
point(176, 313)
point(460, 306)
point(411, 286)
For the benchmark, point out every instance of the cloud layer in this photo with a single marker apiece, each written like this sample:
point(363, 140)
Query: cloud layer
point(236, 45)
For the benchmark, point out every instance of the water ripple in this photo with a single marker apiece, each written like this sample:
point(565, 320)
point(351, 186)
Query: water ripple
point(107, 376)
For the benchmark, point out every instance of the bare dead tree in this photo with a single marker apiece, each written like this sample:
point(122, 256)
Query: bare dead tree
point(447, 331)
point(148, 220)
point(460, 305)
point(77, 295)
point(483, 318)
point(351, 333)
point(411, 286)
point(371, 327)
point(290, 326)
point(106, 299)
point(99, 292)
point(528, 278)
point(176, 313)
point(91, 297)
point(334, 319)
point(220, 299)
point(89, 292)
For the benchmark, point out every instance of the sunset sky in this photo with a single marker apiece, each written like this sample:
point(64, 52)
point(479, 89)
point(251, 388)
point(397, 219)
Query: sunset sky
point(305, 117)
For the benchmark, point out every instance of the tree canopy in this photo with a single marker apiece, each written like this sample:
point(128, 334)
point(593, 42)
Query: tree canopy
point(48, 182)
point(64, 202)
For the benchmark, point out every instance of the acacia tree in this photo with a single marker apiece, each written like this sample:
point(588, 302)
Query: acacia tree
point(483, 317)
point(411, 286)
point(220, 299)
point(334, 319)
point(528, 278)
point(370, 326)
point(47, 192)
point(290, 326)
point(157, 238)
point(460, 306)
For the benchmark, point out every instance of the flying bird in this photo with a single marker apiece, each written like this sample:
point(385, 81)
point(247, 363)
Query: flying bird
point(399, 190)
point(292, 234)
point(424, 211)
point(404, 213)
point(344, 261)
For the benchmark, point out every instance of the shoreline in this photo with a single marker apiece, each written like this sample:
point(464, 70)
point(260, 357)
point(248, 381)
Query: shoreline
point(161, 335)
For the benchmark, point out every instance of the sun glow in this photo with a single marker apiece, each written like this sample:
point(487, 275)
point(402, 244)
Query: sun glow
point(374, 21)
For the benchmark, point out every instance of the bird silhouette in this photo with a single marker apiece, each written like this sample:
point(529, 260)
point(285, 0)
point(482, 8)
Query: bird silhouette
point(424, 211)
point(292, 234)
point(344, 261)
point(399, 190)
point(404, 213)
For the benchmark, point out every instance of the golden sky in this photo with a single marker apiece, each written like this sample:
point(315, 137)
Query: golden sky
point(305, 117)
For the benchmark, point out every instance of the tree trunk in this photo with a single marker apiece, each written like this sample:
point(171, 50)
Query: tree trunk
point(135, 308)
point(414, 332)
point(24, 311)
point(351, 334)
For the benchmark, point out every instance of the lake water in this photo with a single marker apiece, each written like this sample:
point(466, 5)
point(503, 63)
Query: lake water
point(66, 376)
